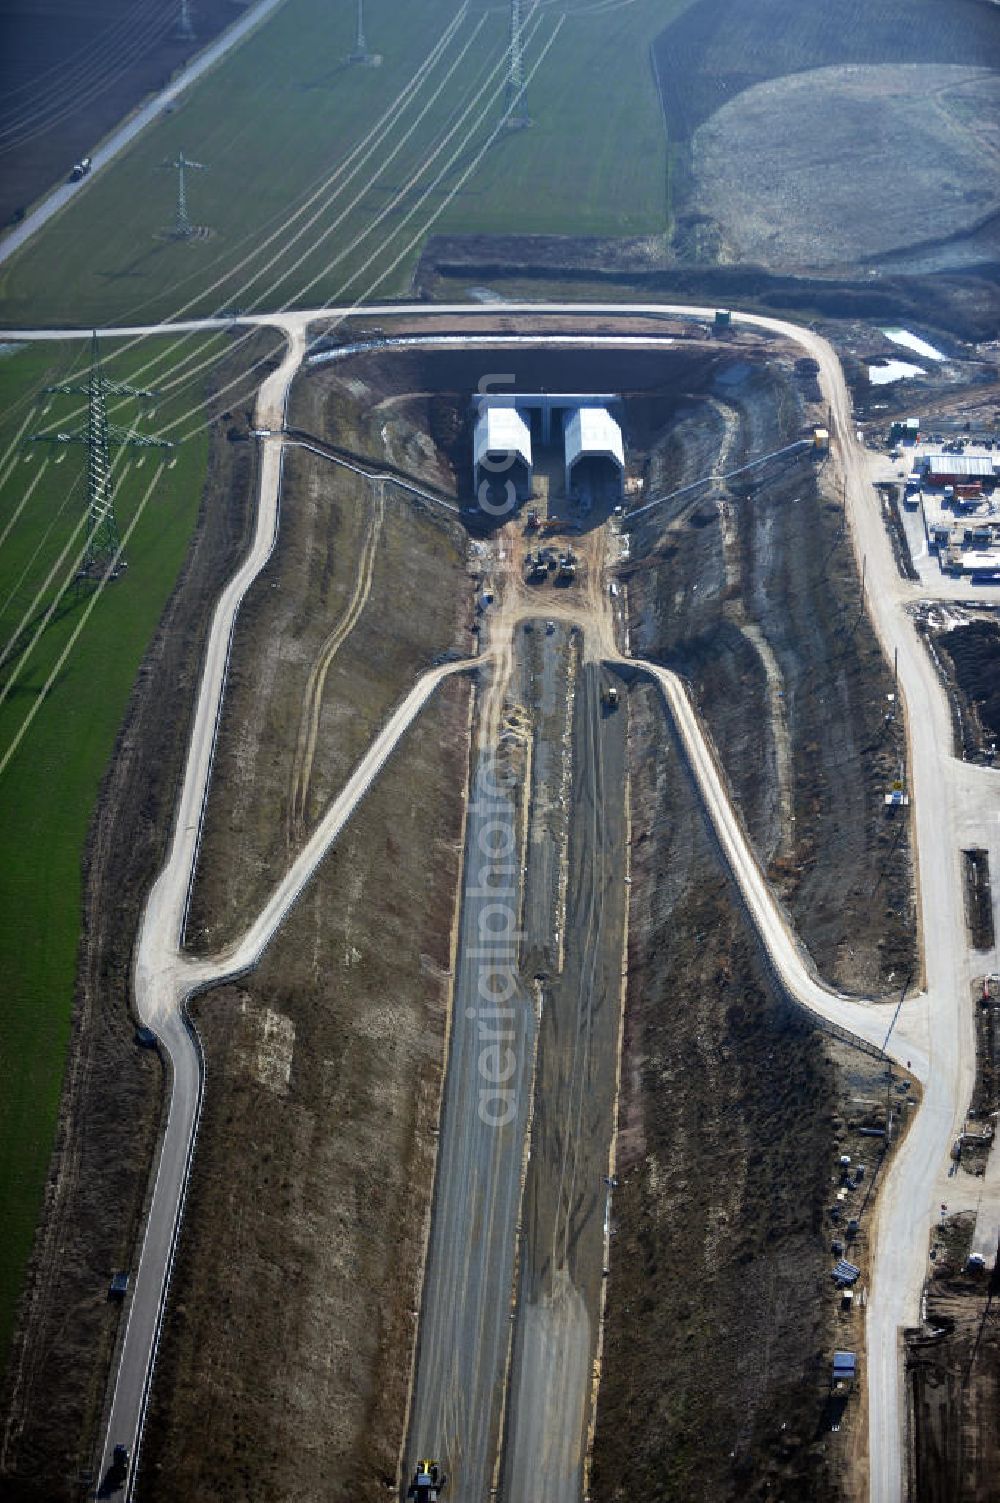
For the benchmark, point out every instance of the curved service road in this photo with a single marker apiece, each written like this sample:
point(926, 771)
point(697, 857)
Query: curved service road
point(934, 1031)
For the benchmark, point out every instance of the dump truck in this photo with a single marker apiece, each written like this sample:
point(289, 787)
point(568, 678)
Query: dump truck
point(428, 1483)
point(80, 169)
point(609, 698)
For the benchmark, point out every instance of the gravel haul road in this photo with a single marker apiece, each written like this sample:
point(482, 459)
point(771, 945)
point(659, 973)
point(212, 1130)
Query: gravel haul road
point(935, 1029)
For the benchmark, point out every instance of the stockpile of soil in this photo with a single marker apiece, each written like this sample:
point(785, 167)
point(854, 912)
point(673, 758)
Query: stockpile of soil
point(974, 651)
point(724, 74)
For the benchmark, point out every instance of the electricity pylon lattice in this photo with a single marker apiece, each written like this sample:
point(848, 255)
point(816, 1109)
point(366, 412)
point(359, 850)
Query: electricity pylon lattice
point(361, 53)
point(103, 540)
point(516, 113)
point(185, 29)
point(182, 228)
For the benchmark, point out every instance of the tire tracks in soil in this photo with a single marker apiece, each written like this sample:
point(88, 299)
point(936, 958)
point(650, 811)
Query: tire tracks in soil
point(312, 699)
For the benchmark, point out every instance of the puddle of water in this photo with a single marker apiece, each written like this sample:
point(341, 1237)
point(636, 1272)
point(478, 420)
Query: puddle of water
point(913, 342)
point(893, 370)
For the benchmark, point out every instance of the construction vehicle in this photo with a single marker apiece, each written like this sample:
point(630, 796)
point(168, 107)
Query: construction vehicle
point(531, 523)
point(428, 1483)
point(557, 524)
point(566, 571)
point(609, 699)
point(80, 169)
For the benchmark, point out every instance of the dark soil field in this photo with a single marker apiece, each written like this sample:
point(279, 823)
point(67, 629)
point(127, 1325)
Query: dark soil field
point(953, 1380)
point(721, 1320)
point(963, 304)
point(70, 70)
point(364, 592)
point(974, 653)
point(717, 48)
point(752, 595)
point(285, 1363)
point(112, 1096)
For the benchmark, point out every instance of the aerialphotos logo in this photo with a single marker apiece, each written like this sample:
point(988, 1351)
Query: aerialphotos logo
point(494, 877)
point(499, 464)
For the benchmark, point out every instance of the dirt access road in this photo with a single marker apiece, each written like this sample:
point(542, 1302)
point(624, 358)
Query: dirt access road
point(934, 1033)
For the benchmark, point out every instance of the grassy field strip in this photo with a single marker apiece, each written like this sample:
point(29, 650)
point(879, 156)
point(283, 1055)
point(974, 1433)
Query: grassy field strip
point(59, 718)
point(13, 455)
point(580, 170)
point(498, 71)
point(462, 180)
point(88, 611)
point(40, 545)
point(25, 620)
point(369, 228)
point(23, 503)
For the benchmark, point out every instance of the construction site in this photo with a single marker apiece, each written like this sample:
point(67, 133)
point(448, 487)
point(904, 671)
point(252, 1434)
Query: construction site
point(396, 554)
point(536, 1028)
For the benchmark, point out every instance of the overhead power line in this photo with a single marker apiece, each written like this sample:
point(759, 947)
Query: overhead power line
point(99, 435)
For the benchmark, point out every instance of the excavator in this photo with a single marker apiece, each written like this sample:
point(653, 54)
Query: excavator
point(428, 1483)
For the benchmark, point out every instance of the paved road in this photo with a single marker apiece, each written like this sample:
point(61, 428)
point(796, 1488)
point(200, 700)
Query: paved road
point(561, 1256)
point(145, 115)
point(936, 1029)
point(464, 1336)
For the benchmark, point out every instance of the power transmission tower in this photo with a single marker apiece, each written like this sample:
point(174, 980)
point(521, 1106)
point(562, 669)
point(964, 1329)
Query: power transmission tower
point(516, 116)
point(185, 30)
point(103, 539)
point(361, 53)
point(182, 228)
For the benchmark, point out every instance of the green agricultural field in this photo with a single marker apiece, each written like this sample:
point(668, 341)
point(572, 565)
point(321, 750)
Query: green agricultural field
point(62, 714)
point(594, 161)
point(322, 180)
